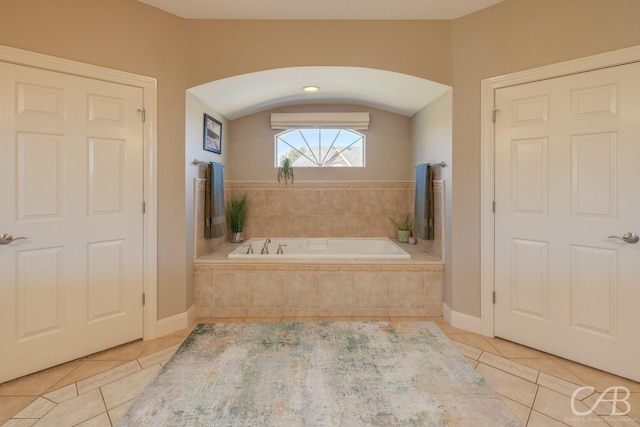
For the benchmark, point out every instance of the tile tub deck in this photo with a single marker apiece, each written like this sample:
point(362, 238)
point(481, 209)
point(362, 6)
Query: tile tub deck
point(275, 288)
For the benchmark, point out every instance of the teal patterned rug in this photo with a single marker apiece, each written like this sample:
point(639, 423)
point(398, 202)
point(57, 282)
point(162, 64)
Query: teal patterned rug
point(316, 374)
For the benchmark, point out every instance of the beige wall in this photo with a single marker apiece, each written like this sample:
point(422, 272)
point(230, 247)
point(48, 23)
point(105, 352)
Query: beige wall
point(512, 36)
point(388, 148)
point(219, 49)
point(194, 130)
point(431, 133)
point(128, 35)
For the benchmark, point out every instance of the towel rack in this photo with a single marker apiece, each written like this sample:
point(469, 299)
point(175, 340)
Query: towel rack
point(200, 162)
point(441, 164)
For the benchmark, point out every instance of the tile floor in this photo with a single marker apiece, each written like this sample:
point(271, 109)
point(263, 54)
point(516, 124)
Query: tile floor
point(98, 389)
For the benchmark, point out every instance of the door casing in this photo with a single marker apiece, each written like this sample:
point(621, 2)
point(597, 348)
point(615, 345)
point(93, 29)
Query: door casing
point(487, 147)
point(150, 150)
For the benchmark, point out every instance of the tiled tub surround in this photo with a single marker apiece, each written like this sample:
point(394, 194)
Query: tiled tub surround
point(260, 288)
point(322, 209)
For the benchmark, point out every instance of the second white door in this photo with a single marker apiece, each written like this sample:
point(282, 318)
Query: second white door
point(567, 176)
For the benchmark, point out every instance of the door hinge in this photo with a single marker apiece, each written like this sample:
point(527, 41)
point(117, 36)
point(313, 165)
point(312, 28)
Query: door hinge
point(493, 206)
point(144, 207)
point(144, 298)
point(494, 297)
point(144, 114)
point(494, 113)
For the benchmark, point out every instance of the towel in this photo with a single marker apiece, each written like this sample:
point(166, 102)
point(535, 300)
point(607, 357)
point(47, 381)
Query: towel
point(423, 210)
point(214, 225)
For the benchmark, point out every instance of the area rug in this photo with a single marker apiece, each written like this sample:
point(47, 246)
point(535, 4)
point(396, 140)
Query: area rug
point(318, 374)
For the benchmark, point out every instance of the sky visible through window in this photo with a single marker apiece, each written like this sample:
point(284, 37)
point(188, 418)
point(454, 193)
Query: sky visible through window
point(322, 147)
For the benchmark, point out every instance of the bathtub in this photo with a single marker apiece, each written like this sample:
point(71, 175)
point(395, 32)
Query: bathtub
point(377, 248)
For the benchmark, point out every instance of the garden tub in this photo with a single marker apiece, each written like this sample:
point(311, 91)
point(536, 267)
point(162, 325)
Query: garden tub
point(375, 248)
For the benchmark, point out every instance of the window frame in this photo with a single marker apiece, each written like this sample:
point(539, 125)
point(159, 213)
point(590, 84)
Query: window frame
point(320, 161)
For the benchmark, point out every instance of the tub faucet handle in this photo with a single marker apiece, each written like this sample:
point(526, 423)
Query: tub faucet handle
point(280, 251)
point(265, 248)
point(250, 250)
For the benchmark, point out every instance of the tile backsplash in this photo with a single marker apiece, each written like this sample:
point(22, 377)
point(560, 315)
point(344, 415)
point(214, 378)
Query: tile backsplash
point(321, 209)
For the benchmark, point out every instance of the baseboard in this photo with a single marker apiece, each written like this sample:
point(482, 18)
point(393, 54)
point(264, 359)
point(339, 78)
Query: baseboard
point(175, 323)
point(462, 320)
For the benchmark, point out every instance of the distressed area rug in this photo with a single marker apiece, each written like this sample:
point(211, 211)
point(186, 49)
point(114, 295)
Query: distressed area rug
point(318, 374)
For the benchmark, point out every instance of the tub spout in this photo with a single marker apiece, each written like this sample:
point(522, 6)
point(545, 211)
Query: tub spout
point(280, 250)
point(265, 248)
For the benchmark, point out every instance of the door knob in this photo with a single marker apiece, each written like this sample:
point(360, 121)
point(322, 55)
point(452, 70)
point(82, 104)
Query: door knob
point(631, 238)
point(5, 239)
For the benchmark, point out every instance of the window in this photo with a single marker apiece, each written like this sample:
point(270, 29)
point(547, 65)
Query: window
point(320, 147)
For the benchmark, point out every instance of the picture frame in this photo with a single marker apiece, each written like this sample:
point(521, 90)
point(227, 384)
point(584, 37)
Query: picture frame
point(212, 135)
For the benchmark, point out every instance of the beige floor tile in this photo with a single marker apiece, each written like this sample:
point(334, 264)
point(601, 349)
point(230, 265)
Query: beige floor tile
point(508, 385)
point(621, 421)
point(634, 400)
point(558, 406)
point(300, 319)
point(410, 318)
point(565, 387)
point(125, 352)
point(536, 419)
point(513, 350)
point(626, 404)
point(107, 377)
point(116, 413)
point(447, 328)
point(519, 410)
point(38, 383)
point(472, 362)
point(181, 333)
point(467, 350)
point(62, 394)
point(509, 366)
point(597, 378)
point(75, 411)
point(129, 387)
point(36, 409)
point(11, 405)
point(86, 369)
point(335, 318)
point(217, 320)
point(161, 356)
point(101, 420)
point(20, 423)
point(551, 367)
point(475, 340)
point(262, 319)
point(372, 318)
point(159, 344)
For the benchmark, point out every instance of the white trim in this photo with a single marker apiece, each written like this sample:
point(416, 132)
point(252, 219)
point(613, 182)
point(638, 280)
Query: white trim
point(461, 320)
point(175, 323)
point(487, 143)
point(149, 90)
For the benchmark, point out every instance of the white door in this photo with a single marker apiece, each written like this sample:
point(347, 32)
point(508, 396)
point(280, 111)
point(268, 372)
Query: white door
point(71, 168)
point(567, 177)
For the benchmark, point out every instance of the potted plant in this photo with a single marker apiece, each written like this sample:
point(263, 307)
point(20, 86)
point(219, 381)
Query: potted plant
point(404, 228)
point(237, 217)
point(285, 171)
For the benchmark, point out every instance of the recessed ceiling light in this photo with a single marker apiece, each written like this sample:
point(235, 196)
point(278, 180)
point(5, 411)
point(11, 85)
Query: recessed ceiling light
point(311, 89)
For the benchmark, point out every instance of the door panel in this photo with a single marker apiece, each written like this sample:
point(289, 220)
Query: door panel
point(71, 167)
point(567, 153)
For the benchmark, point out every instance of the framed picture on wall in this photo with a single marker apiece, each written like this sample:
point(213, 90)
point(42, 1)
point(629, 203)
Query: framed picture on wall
point(212, 135)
